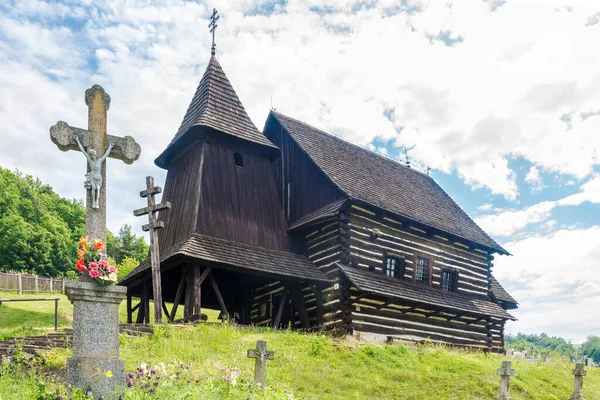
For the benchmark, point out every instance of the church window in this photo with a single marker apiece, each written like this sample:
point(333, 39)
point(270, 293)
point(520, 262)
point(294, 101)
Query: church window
point(449, 280)
point(422, 267)
point(394, 266)
point(239, 161)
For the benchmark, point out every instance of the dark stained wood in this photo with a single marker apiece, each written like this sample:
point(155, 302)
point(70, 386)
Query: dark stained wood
point(280, 308)
point(215, 287)
point(177, 296)
point(300, 305)
point(129, 311)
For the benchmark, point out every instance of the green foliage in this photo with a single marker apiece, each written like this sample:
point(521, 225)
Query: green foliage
point(541, 345)
point(127, 265)
point(126, 245)
point(591, 348)
point(39, 228)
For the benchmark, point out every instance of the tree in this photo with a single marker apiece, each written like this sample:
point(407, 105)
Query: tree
point(38, 228)
point(126, 244)
point(591, 348)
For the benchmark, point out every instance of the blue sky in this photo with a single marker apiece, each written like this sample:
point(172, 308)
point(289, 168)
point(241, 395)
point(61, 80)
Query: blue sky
point(500, 99)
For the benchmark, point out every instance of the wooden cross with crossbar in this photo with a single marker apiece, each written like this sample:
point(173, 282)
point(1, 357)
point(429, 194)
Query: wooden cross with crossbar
point(152, 226)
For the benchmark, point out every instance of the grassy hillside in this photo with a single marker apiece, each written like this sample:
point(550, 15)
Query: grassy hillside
point(203, 362)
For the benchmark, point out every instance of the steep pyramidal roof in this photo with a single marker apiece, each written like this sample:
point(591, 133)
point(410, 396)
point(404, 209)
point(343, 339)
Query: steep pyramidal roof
point(382, 182)
point(215, 105)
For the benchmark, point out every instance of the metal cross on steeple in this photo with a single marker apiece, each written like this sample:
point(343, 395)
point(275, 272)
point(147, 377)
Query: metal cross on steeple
point(213, 25)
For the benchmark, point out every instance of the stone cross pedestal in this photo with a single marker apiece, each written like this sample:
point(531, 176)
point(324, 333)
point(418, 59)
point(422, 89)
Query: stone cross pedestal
point(95, 362)
point(261, 355)
point(579, 373)
point(505, 373)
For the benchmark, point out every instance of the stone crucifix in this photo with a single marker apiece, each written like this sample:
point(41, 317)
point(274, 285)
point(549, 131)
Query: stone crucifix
point(505, 373)
point(579, 373)
point(261, 355)
point(96, 145)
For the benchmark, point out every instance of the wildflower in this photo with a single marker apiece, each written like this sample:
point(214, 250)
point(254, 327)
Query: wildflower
point(98, 245)
point(83, 242)
point(108, 374)
point(80, 266)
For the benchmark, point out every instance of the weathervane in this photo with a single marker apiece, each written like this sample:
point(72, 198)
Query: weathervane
point(213, 25)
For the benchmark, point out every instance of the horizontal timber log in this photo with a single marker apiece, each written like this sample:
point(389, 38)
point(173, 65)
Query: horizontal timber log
point(384, 330)
point(396, 315)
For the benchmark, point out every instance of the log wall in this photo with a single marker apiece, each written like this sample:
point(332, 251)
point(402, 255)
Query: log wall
point(400, 239)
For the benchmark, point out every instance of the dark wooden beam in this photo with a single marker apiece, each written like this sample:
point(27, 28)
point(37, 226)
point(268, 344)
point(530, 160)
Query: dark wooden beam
point(298, 298)
point(178, 296)
point(129, 312)
point(319, 303)
point(164, 307)
point(279, 314)
point(213, 282)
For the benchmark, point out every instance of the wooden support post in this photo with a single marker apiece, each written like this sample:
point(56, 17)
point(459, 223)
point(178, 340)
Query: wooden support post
point(188, 308)
point(51, 291)
point(129, 311)
point(280, 309)
point(197, 291)
point(298, 298)
point(319, 304)
point(213, 282)
point(36, 285)
point(164, 308)
point(178, 296)
point(20, 284)
point(505, 373)
point(260, 365)
point(56, 315)
point(579, 373)
point(147, 304)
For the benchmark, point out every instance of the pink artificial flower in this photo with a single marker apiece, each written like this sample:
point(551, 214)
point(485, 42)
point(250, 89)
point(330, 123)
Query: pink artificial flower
point(103, 264)
point(94, 273)
point(112, 269)
point(93, 265)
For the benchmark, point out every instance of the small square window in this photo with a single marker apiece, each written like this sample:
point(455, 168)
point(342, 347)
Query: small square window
point(394, 266)
point(422, 270)
point(449, 280)
point(264, 309)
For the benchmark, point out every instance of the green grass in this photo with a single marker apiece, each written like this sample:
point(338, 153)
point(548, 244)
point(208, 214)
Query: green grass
point(34, 318)
point(313, 366)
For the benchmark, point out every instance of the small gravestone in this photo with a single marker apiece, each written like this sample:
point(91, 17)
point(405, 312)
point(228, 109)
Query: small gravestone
point(579, 373)
point(95, 365)
point(505, 373)
point(260, 365)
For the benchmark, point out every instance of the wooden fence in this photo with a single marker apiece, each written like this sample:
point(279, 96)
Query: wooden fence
point(25, 283)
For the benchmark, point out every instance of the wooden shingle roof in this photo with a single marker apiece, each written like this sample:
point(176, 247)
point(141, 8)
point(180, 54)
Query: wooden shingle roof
point(499, 292)
point(319, 215)
point(216, 105)
point(384, 183)
point(244, 256)
point(378, 283)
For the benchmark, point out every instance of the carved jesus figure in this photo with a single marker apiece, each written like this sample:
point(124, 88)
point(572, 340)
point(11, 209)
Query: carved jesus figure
point(93, 179)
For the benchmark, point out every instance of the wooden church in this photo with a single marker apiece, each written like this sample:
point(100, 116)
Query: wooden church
point(296, 227)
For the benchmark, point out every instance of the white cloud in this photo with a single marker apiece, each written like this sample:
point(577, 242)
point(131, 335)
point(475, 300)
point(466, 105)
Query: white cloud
point(507, 222)
point(534, 179)
point(556, 281)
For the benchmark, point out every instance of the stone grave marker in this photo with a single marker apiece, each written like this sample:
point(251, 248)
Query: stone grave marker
point(260, 365)
point(505, 373)
point(579, 373)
